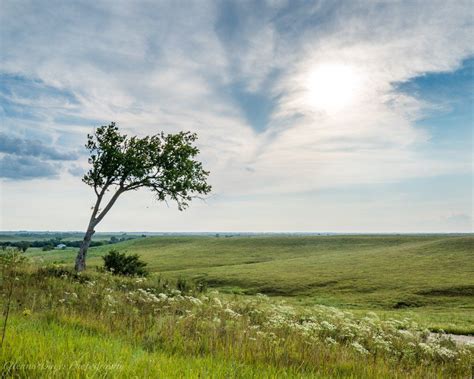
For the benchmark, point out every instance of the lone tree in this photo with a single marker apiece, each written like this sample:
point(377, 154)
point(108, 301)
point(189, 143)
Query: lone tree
point(163, 163)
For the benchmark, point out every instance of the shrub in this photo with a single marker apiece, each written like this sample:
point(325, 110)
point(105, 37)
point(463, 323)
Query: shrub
point(10, 261)
point(182, 284)
point(23, 245)
point(201, 286)
point(123, 264)
point(56, 270)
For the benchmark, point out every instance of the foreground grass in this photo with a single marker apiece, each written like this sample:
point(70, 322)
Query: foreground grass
point(428, 278)
point(97, 325)
point(46, 347)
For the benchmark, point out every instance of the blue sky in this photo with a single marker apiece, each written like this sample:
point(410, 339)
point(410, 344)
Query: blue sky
point(312, 116)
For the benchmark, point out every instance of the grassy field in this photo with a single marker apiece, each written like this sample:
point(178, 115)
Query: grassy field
point(44, 348)
point(98, 325)
point(427, 278)
point(333, 307)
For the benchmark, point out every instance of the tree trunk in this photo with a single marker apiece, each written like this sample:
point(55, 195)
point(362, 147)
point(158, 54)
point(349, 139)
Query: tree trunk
point(94, 220)
point(81, 255)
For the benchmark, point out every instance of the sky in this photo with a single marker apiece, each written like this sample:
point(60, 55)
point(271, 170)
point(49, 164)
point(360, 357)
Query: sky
point(312, 116)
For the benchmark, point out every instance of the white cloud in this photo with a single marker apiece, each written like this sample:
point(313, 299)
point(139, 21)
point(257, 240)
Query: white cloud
point(153, 66)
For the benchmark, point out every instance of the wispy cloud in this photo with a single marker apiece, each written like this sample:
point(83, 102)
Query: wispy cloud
point(24, 168)
point(237, 73)
point(23, 158)
point(35, 148)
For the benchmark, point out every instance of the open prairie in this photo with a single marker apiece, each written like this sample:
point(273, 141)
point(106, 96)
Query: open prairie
point(429, 278)
point(244, 307)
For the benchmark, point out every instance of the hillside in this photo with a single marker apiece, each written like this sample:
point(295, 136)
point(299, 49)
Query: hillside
point(397, 275)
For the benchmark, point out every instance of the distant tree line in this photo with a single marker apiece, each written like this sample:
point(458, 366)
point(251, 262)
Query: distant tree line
point(50, 244)
point(20, 245)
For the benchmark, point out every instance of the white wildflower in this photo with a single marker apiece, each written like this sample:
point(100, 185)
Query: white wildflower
point(194, 300)
point(426, 348)
point(163, 296)
point(110, 300)
point(331, 341)
point(381, 343)
point(405, 333)
point(231, 313)
point(445, 353)
point(359, 348)
point(328, 326)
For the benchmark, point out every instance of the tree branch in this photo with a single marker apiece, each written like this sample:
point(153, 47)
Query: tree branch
point(109, 205)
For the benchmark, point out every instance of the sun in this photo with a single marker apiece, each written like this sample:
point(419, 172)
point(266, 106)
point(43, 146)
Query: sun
point(332, 87)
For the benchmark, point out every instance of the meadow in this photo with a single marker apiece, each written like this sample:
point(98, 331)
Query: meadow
point(427, 277)
point(254, 306)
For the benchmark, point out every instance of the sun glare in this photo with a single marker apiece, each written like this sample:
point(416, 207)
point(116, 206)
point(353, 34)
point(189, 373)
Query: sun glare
point(332, 87)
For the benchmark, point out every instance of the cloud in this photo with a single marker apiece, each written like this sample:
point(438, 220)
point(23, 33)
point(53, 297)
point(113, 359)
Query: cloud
point(76, 170)
point(236, 73)
point(24, 158)
point(34, 148)
point(27, 167)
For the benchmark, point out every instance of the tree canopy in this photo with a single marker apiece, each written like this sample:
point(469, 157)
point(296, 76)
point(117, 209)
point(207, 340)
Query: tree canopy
point(163, 163)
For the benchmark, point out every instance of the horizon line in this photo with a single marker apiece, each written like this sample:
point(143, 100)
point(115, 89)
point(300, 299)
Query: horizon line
point(234, 232)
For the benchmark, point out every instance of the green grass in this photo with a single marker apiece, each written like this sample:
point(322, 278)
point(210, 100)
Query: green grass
point(429, 278)
point(43, 348)
point(96, 325)
point(72, 328)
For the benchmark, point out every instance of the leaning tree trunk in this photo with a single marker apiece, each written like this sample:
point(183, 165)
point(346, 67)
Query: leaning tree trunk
point(81, 255)
point(94, 220)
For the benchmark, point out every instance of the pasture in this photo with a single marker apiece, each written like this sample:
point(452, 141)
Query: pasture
point(429, 278)
point(244, 307)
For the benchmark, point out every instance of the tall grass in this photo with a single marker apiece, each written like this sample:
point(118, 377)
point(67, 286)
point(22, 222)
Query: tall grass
point(428, 278)
point(83, 325)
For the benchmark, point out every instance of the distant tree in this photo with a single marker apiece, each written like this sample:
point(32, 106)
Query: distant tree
point(23, 245)
point(113, 239)
point(163, 163)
